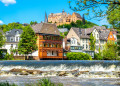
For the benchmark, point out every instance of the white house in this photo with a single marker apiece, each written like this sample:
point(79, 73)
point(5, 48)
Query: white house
point(12, 39)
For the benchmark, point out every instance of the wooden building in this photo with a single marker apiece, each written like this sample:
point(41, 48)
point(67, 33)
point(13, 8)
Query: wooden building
point(49, 41)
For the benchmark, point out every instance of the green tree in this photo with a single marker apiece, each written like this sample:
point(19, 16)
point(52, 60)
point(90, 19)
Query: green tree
point(2, 39)
point(32, 22)
point(109, 51)
point(92, 42)
point(27, 43)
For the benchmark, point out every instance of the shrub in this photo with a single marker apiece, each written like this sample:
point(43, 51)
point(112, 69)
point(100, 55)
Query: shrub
point(78, 56)
point(6, 84)
point(45, 82)
point(9, 57)
point(98, 56)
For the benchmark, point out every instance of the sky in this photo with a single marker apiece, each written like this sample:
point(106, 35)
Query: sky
point(24, 11)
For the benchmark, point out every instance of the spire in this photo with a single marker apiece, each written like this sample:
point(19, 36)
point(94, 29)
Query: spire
point(46, 19)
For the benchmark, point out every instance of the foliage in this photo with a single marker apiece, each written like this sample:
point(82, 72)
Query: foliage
point(6, 84)
point(110, 51)
point(45, 82)
point(32, 22)
point(8, 57)
point(92, 42)
point(11, 26)
point(98, 56)
point(27, 43)
point(61, 34)
point(2, 39)
point(94, 6)
point(65, 33)
point(105, 26)
point(78, 56)
point(78, 24)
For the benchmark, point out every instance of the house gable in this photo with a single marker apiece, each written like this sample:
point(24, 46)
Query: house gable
point(111, 37)
point(72, 34)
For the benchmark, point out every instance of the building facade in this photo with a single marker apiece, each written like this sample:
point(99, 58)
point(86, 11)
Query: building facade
point(63, 18)
point(12, 40)
point(49, 41)
point(81, 37)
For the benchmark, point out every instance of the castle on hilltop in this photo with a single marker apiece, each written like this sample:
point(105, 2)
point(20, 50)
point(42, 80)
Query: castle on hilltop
point(63, 18)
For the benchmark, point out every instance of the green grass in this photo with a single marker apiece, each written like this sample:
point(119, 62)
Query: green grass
point(41, 82)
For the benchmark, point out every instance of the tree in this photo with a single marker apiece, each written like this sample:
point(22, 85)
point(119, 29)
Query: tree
point(94, 6)
point(32, 22)
point(2, 39)
point(83, 19)
point(27, 43)
point(109, 51)
point(92, 42)
point(11, 26)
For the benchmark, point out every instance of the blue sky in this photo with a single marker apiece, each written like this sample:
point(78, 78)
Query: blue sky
point(24, 11)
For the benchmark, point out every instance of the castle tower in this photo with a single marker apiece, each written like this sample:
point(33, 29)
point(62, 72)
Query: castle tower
point(46, 19)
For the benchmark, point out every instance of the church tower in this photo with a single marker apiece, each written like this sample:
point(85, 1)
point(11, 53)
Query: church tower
point(46, 19)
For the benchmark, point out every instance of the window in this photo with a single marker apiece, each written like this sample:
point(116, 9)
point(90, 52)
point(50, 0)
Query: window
point(52, 53)
point(11, 45)
point(17, 39)
point(83, 40)
point(97, 47)
point(97, 41)
point(86, 46)
point(97, 36)
point(12, 39)
point(83, 46)
point(110, 36)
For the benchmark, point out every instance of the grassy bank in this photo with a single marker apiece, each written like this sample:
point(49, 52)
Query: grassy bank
point(42, 82)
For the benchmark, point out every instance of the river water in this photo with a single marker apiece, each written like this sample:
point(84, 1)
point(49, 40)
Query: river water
point(70, 73)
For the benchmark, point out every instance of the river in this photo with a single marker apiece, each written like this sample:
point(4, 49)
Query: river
point(70, 73)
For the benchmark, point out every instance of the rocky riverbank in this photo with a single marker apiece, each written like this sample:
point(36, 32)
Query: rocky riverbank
point(72, 73)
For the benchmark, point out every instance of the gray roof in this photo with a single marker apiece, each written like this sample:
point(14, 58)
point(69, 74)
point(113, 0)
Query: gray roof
point(13, 32)
point(63, 30)
point(85, 33)
point(46, 28)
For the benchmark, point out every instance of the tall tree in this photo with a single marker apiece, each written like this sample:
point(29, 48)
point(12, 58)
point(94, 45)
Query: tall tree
point(83, 19)
point(109, 51)
point(92, 42)
point(2, 39)
point(27, 43)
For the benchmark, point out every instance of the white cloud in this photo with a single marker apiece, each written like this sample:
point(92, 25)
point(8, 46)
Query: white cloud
point(1, 22)
point(7, 2)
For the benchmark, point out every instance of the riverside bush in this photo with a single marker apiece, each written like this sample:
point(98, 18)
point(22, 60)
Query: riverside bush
point(45, 82)
point(6, 84)
point(78, 56)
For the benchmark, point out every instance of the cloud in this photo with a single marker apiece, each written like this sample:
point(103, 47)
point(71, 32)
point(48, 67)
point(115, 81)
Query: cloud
point(7, 2)
point(1, 22)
